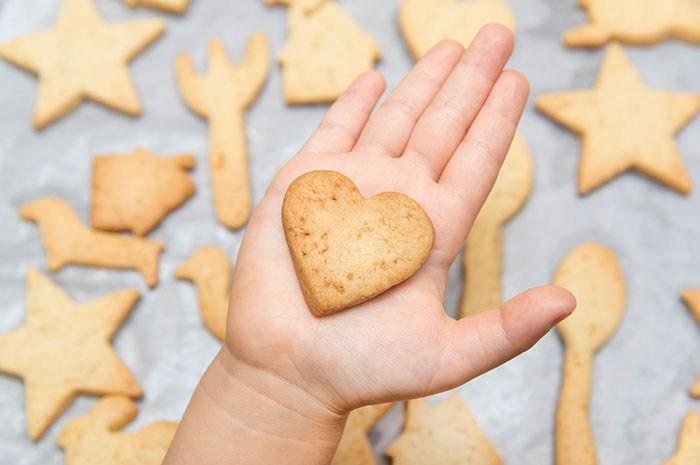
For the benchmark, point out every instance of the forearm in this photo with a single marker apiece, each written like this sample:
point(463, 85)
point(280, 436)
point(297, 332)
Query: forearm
point(241, 415)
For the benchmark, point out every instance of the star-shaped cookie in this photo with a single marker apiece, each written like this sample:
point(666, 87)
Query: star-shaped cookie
point(688, 452)
point(446, 434)
point(354, 447)
point(64, 349)
point(624, 125)
point(639, 22)
point(83, 57)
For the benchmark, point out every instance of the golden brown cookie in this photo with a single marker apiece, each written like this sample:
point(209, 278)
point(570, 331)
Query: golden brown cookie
point(90, 63)
point(483, 253)
point(326, 51)
point(171, 6)
point(64, 350)
point(221, 96)
point(347, 249)
point(424, 23)
point(94, 439)
point(210, 270)
point(446, 434)
point(689, 443)
point(624, 125)
point(354, 447)
point(134, 192)
point(593, 275)
point(692, 300)
point(67, 240)
point(640, 22)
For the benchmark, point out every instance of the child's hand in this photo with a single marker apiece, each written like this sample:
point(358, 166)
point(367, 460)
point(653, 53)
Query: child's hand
point(284, 378)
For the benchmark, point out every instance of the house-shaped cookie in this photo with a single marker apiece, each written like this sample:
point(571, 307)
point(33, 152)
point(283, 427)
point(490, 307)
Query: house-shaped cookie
point(325, 52)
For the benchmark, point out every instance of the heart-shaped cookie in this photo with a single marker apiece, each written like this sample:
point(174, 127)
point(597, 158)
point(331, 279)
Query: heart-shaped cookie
point(347, 249)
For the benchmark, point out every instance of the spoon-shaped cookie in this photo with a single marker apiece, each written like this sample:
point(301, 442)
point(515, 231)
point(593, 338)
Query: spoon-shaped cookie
point(591, 272)
point(221, 96)
point(483, 254)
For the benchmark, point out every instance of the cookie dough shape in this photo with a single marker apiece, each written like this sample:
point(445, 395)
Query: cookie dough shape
point(640, 22)
point(689, 443)
point(134, 192)
point(67, 240)
point(354, 447)
point(64, 350)
point(424, 23)
point(347, 249)
point(326, 51)
point(306, 5)
point(624, 125)
point(483, 254)
point(692, 300)
point(171, 6)
point(446, 434)
point(210, 270)
point(590, 272)
point(82, 58)
point(95, 438)
point(221, 96)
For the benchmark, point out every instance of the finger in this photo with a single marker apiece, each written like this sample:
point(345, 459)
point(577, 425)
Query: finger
point(481, 342)
point(444, 123)
point(342, 125)
point(390, 127)
point(472, 170)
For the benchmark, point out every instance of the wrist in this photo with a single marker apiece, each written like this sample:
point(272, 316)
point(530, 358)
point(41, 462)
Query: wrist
point(242, 414)
point(273, 405)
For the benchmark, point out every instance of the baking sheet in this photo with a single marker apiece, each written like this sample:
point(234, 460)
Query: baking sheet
point(641, 378)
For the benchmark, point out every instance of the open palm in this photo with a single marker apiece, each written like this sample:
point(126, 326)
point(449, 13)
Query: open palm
point(440, 137)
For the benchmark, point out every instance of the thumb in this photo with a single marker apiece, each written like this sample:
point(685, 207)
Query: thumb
point(484, 341)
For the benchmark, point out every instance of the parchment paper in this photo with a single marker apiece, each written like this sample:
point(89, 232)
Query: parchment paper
point(641, 378)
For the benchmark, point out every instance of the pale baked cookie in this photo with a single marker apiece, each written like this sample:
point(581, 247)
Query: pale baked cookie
point(692, 300)
point(64, 350)
point(446, 434)
point(94, 439)
point(593, 275)
point(354, 447)
point(640, 22)
point(306, 5)
point(347, 249)
point(133, 192)
point(210, 270)
point(171, 6)
point(325, 52)
point(483, 253)
point(424, 23)
point(90, 63)
point(221, 96)
point(624, 125)
point(688, 452)
point(67, 240)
